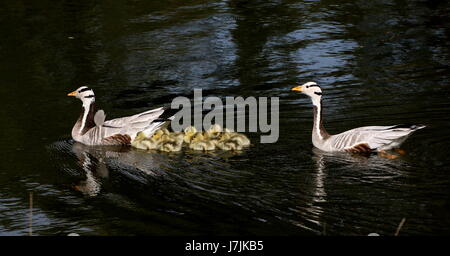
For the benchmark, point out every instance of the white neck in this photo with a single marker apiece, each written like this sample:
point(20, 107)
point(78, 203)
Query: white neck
point(317, 117)
point(86, 108)
point(316, 100)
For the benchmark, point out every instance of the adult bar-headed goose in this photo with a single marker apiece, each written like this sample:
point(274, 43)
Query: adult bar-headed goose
point(92, 129)
point(359, 140)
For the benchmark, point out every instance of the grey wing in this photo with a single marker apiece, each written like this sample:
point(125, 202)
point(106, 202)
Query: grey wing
point(349, 139)
point(99, 118)
point(122, 130)
point(373, 136)
point(141, 118)
point(131, 125)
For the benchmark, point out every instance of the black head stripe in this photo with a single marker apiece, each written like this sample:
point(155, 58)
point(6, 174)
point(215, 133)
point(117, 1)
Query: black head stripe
point(89, 96)
point(84, 89)
point(318, 93)
point(314, 85)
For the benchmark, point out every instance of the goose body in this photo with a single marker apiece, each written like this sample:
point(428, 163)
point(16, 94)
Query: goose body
point(92, 129)
point(359, 140)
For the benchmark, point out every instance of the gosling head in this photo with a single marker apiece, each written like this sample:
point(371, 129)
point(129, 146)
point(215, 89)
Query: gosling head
point(190, 130)
point(85, 94)
point(215, 129)
point(311, 89)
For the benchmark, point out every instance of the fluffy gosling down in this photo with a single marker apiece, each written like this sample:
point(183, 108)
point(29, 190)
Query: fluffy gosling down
point(213, 138)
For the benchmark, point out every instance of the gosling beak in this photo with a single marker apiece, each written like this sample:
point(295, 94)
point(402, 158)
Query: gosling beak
point(298, 88)
point(72, 93)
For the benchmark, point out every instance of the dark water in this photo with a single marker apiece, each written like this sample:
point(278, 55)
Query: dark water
point(379, 62)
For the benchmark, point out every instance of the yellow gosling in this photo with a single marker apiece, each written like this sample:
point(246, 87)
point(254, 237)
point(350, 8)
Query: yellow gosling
point(214, 137)
point(215, 128)
point(241, 139)
point(171, 147)
point(157, 135)
point(209, 145)
point(177, 136)
point(170, 142)
point(229, 145)
point(210, 136)
point(197, 137)
point(214, 132)
point(138, 144)
point(202, 145)
point(166, 138)
point(225, 136)
point(139, 136)
point(150, 144)
point(189, 132)
point(215, 141)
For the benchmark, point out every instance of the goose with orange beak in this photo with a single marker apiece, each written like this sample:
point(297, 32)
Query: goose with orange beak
point(92, 129)
point(359, 140)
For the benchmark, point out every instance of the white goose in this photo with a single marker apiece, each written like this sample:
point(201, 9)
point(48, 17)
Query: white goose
point(92, 129)
point(359, 140)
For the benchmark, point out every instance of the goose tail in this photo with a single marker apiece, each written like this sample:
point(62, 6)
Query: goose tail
point(410, 127)
point(161, 122)
point(418, 127)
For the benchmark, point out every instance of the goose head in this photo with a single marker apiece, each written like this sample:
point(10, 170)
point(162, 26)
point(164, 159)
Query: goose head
point(311, 89)
point(85, 94)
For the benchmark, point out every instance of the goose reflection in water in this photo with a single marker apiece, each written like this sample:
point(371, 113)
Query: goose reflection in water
point(344, 168)
point(371, 167)
point(96, 162)
point(311, 207)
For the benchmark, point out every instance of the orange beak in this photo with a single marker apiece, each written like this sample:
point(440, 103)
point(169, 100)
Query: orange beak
point(298, 88)
point(72, 93)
